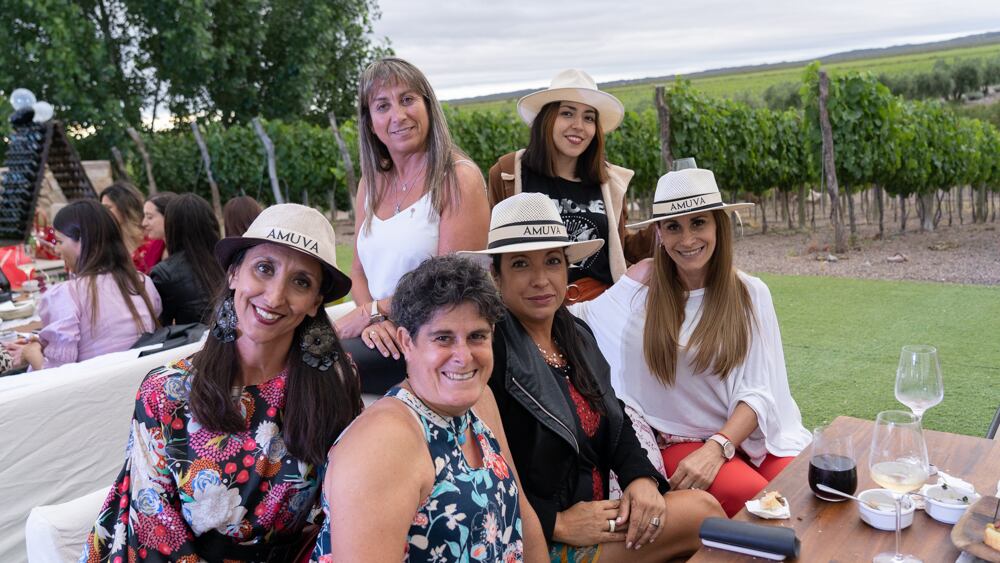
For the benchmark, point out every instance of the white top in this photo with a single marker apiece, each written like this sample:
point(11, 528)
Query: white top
point(699, 404)
point(397, 245)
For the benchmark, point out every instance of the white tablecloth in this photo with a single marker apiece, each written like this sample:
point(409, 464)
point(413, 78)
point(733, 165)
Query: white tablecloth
point(63, 433)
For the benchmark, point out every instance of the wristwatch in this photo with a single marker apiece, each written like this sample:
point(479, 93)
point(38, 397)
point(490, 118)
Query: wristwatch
point(375, 316)
point(728, 449)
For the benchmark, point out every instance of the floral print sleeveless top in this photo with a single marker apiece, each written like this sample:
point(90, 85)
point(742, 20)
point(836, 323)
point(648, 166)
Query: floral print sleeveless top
point(471, 514)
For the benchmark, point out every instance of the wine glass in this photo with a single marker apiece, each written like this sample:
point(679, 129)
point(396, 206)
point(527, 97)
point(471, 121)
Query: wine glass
point(898, 462)
point(918, 378)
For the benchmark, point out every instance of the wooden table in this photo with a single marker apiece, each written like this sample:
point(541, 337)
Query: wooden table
point(833, 531)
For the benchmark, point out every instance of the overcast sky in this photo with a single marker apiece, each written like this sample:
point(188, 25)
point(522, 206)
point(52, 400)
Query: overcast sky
point(475, 47)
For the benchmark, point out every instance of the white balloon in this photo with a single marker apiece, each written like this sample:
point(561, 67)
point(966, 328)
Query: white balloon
point(43, 111)
point(22, 98)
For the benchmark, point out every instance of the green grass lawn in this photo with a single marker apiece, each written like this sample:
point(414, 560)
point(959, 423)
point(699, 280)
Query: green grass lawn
point(753, 83)
point(842, 339)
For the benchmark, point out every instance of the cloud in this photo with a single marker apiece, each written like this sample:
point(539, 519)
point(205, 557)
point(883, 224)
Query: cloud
point(477, 47)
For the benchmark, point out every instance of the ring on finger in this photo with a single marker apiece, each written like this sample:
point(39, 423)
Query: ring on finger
point(371, 334)
point(655, 521)
point(611, 525)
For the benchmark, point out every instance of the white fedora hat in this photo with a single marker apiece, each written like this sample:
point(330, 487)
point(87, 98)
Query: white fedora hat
point(574, 86)
point(295, 226)
point(530, 221)
point(683, 192)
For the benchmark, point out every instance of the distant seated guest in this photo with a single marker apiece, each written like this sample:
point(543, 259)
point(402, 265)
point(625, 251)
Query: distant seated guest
point(189, 277)
point(154, 231)
point(124, 202)
point(104, 306)
point(238, 213)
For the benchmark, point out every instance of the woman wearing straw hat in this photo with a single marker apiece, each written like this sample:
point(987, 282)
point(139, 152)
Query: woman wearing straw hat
point(567, 430)
point(425, 474)
point(226, 450)
point(696, 350)
point(565, 160)
point(419, 195)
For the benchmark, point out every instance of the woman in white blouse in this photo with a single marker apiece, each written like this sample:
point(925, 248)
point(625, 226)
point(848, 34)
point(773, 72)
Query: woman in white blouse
point(419, 196)
point(695, 349)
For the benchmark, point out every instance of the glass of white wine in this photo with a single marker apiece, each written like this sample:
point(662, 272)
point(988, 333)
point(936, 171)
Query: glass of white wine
point(898, 462)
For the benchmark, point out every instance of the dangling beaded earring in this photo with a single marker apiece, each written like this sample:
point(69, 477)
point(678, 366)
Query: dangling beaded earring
point(317, 345)
point(225, 321)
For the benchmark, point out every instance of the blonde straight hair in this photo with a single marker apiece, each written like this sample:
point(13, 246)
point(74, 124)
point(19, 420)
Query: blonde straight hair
point(722, 338)
point(376, 163)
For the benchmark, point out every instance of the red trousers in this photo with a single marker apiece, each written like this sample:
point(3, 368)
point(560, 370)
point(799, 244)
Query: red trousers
point(738, 479)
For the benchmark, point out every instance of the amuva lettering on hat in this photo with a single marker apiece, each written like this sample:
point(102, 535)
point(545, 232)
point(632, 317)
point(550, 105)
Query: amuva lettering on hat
point(294, 239)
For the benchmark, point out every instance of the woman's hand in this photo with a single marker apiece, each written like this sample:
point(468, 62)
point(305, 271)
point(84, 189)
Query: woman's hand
point(382, 335)
point(641, 502)
point(699, 468)
point(26, 352)
point(586, 523)
point(352, 324)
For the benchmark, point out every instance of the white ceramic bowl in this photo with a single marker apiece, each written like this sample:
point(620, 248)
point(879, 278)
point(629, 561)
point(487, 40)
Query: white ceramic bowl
point(947, 505)
point(884, 518)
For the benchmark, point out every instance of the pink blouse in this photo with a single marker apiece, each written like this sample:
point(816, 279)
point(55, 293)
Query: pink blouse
point(69, 334)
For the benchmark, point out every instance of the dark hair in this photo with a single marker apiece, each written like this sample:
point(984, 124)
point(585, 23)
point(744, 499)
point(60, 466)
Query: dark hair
point(564, 333)
point(538, 156)
point(191, 228)
point(238, 214)
point(161, 200)
point(443, 282)
point(318, 404)
point(127, 199)
point(102, 251)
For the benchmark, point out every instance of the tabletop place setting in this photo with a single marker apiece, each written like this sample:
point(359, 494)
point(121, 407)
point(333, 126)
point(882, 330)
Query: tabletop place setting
point(885, 469)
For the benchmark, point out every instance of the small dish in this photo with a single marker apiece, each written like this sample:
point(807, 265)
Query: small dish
point(884, 517)
point(948, 504)
point(20, 310)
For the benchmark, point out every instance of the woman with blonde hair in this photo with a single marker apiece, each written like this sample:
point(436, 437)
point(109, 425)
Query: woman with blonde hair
point(696, 351)
point(418, 192)
point(565, 160)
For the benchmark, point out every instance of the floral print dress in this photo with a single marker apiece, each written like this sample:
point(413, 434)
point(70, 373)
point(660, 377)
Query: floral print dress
point(471, 514)
point(181, 480)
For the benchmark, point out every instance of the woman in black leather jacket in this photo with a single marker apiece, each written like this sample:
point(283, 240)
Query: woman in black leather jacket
point(189, 277)
point(567, 431)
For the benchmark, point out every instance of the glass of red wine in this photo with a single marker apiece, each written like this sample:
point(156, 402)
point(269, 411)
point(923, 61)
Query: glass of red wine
point(832, 464)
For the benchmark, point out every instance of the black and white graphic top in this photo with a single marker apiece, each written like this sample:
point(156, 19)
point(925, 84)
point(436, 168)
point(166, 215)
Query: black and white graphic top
point(582, 209)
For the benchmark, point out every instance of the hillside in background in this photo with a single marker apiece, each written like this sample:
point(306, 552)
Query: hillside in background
point(749, 82)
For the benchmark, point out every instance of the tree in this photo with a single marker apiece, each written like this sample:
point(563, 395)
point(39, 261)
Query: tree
point(100, 62)
point(965, 78)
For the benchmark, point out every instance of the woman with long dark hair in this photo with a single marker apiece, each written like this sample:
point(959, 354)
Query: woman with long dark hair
point(154, 228)
point(190, 276)
point(104, 306)
point(567, 430)
point(696, 350)
point(227, 447)
point(124, 201)
point(238, 214)
point(565, 160)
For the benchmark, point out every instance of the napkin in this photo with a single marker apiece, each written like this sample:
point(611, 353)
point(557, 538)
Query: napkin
point(780, 513)
point(769, 542)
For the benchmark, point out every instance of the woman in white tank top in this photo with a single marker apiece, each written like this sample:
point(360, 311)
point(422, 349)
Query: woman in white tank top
point(419, 195)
